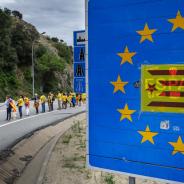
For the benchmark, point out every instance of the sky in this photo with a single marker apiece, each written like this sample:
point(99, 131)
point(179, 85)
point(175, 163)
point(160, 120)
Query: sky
point(58, 18)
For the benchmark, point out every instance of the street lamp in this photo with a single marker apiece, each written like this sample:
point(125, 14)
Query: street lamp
point(33, 71)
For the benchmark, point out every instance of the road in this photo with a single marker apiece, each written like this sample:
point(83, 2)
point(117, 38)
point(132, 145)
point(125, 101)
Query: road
point(32, 111)
point(11, 131)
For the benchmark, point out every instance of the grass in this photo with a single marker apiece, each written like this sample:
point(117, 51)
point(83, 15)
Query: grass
point(109, 179)
point(66, 139)
point(76, 128)
point(73, 163)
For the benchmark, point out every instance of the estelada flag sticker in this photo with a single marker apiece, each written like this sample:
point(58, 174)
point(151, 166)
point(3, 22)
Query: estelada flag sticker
point(162, 88)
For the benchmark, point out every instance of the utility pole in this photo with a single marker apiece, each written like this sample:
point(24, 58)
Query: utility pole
point(33, 75)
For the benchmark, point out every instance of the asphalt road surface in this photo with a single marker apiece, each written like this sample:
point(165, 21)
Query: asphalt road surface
point(11, 131)
point(32, 111)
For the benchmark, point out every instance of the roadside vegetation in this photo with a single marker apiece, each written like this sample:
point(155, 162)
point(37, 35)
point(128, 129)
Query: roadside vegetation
point(67, 164)
point(52, 57)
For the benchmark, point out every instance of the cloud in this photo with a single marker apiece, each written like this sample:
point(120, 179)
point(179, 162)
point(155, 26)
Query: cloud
point(55, 17)
point(7, 1)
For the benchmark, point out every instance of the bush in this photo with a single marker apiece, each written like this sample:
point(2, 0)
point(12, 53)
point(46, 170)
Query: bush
point(109, 179)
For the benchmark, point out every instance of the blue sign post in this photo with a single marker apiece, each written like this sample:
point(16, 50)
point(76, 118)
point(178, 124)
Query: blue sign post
point(79, 62)
point(136, 87)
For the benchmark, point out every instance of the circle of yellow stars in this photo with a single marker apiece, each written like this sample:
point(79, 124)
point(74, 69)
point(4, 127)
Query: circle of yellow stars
point(127, 57)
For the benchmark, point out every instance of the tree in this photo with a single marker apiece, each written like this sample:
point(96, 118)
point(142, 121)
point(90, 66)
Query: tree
point(7, 11)
point(16, 39)
point(50, 63)
point(22, 40)
point(17, 14)
point(40, 51)
point(55, 39)
point(46, 66)
point(64, 51)
point(7, 52)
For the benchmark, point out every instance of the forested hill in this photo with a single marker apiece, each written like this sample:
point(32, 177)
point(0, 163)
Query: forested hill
point(53, 58)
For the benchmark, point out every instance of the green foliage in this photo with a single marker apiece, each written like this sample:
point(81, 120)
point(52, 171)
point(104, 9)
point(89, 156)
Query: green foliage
point(17, 14)
point(22, 41)
point(66, 139)
point(8, 57)
point(49, 63)
point(7, 11)
point(8, 84)
point(64, 52)
point(16, 40)
point(109, 179)
point(40, 51)
point(46, 66)
point(55, 39)
point(27, 74)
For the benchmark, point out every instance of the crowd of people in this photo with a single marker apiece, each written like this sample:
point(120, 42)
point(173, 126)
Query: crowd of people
point(39, 103)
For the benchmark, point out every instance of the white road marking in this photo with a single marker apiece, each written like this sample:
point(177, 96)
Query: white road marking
point(2, 110)
point(34, 116)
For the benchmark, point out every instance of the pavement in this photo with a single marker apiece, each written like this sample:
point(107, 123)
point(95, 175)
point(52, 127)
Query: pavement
point(13, 131)
point(32, 111)
point(35, 170)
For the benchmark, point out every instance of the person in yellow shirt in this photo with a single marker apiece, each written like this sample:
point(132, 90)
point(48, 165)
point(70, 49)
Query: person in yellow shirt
point(59, 98)
point(84, 98)
point(20, 104)
point(64, 101)
point(43, 100)
point(69, 99)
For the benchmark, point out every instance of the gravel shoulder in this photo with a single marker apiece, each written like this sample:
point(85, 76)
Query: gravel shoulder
point(67, 164)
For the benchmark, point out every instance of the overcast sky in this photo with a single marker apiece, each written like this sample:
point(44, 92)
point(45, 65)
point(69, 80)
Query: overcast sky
point(55, 17)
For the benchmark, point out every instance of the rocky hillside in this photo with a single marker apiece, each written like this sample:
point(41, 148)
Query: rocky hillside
point(52, 57)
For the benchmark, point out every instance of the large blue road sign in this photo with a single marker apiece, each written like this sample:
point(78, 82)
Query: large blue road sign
point(79, 62)
point(136, 87)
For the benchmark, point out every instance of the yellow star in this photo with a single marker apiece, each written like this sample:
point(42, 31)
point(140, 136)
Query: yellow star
point(147, 135)
point(126, 56)
point(178, 22)
point(146, 34)
point(126, 113)
point(178, 146)
point(119, 85)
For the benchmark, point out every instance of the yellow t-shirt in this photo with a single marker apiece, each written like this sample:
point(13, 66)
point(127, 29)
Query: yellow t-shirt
point(26, 101)
point(59, 96)
point(64, 98)
point(84, 96)
point(20, 102)
point(43, 99)
point(69, 98)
